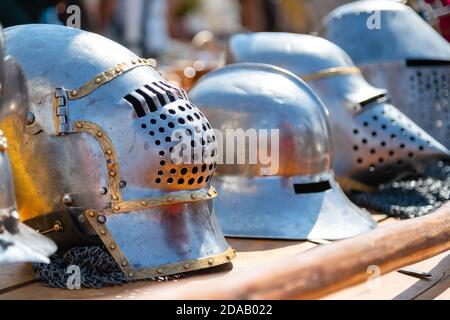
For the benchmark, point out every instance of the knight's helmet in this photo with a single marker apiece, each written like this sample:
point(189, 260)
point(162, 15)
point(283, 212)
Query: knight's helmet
point(397, 50)
point(282, 186)
point(374, 142)
point(94, 162)
point(18, 242)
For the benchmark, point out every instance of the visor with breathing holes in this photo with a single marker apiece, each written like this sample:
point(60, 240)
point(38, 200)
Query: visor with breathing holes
point(374, 141)
point(403, 54)
point(97, 161)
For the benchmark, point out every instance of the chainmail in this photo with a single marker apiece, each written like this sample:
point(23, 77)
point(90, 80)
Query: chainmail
point(97, 269)
point(410, 197)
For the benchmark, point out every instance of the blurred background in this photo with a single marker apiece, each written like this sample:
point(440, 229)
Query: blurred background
point(188, 37)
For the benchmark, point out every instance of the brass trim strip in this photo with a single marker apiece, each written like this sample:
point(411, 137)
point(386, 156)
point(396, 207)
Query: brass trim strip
point(331, 72)
point(107, 76)
point(112, 161)
point(174, 198)
point(158, 271)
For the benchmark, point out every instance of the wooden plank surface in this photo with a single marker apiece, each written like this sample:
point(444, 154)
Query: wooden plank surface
point(16, 282)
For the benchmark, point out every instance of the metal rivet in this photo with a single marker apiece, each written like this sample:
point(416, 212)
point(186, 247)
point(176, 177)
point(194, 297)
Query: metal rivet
point(134, 61)
point(228, 257)
point(234, 251)
point(57, 226)
point(118, 70)
point(112, 246)
point(81, 219)
point(30, 118)
point(160, 271)
point(103, 190)
point(116, 207)
point(99, 134)
point(109, 152)
point(67, 199)
point(210, 262)
point(210, 194)
point(124, 263)
point(79, 125)
point(74, 93)
point(131, 275)
point(186, 266)
point(101, 219)
point(115, 197)
point(91, 214)
point(98, 80)
point(112, 173)
point(143, 203)
point(122, 184)
point(102, 232)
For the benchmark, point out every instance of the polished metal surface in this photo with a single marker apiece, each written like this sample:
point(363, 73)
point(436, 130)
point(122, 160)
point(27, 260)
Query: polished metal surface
point(374, 141)
point(403, 54)
point(104, 132)
point(282, 205)
point(18, 243)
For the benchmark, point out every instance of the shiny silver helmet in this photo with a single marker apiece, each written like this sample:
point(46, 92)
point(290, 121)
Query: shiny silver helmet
point(292, 194)
point(400, 52)
point(18, 243)
point(95, 160)
point(374, 142)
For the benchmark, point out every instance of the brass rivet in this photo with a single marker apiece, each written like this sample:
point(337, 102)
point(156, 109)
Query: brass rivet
point(115, 197)
point(74, 93)
point(112, 173)
point(57, 227)
point(124, 263)
point(91, 214)
point(112, 246)
point(210, 262)
point(143, 203)
point(228, 257)
point(109, 152)
point(99, 134)
point(118, 70)
point(79, 125)
point(102, 232)
point(131, 275)
point(116, 207)
point(186, 266)
point(160, 271)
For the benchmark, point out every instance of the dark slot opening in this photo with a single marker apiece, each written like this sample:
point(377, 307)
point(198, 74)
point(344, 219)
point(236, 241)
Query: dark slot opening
point(160, 97)
point(302, 188)
point(380, 97)
point(170, 94)
point(136, 105)
point(425, 63)
point(148, 99)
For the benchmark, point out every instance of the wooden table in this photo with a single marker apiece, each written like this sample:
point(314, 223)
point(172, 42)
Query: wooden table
point(17, 282)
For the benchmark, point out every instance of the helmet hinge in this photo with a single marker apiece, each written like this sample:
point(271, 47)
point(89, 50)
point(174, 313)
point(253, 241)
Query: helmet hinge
point(61, 112)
